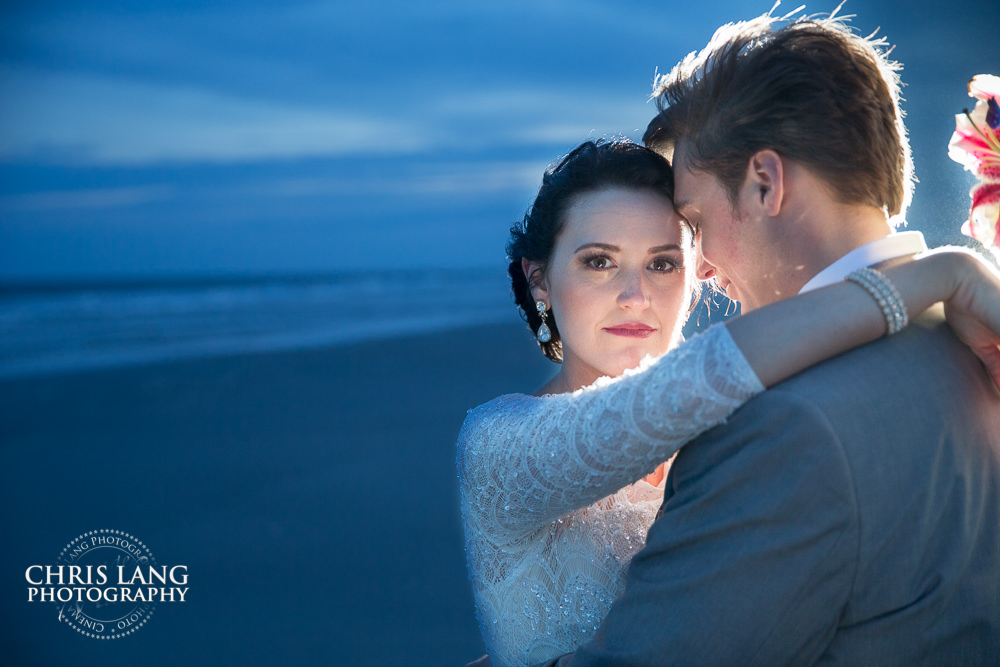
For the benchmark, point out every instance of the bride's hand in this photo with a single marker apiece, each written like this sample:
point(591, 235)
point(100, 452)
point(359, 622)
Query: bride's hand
point(973, 311)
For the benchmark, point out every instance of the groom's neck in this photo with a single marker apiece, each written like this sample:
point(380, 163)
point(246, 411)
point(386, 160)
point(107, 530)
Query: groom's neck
point(813, 239)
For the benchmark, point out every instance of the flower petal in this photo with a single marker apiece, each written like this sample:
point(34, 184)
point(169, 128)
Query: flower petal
point(984, 216)
point(984, 86)
point(985, 193)
point(975, 145)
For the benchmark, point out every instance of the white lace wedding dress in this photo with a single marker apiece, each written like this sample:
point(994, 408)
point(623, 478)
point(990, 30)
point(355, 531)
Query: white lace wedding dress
point(551, 515)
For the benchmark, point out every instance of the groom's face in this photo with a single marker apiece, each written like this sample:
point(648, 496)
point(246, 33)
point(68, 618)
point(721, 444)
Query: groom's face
point(730, 243)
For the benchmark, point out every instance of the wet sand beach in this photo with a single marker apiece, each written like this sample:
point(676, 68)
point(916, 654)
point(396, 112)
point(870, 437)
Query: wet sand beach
point(311, 495)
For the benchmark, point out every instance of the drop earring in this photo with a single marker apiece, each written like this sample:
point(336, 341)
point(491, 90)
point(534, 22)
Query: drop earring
point(544, 334)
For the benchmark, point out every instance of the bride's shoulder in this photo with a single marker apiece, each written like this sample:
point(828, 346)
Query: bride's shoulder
point(499, 409)
point(488, 425)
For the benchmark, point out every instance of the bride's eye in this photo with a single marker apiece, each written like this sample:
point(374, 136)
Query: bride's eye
point(665, 264)
point(599, 262)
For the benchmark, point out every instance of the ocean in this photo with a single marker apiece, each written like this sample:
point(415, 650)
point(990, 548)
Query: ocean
point(54, 329)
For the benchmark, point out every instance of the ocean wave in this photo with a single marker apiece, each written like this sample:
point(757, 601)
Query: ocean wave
point(65, 329)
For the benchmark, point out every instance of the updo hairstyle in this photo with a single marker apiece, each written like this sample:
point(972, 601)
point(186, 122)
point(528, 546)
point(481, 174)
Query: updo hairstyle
point(591, 166)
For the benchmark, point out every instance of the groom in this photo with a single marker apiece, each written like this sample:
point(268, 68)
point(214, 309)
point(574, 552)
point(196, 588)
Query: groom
point(850, 515)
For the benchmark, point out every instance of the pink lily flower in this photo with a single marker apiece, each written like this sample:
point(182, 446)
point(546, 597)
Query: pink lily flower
point(976, 146)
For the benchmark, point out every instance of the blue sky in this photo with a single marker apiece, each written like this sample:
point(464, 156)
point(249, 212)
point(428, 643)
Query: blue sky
point(236, 137)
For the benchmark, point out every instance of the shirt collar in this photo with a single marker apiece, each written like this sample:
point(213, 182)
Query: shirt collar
point(873, 252)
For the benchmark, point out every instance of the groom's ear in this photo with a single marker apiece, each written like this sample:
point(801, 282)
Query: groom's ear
point(765, 185)
point(535, 276)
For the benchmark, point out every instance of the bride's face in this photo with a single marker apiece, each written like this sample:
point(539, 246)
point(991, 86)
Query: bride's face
point(616, 281)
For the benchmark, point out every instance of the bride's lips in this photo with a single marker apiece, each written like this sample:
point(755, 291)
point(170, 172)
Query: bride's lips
point(631, 330)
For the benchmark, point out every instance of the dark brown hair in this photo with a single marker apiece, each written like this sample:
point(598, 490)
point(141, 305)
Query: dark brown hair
point(810, 89)
point(591, 166)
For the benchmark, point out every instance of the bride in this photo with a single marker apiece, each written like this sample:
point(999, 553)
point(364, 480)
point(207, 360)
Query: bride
point(559, 488)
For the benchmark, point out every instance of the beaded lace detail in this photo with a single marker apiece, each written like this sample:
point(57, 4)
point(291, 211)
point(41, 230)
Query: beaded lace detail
point(551, 514)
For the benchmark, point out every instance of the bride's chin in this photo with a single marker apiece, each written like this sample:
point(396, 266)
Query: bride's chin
point(629, 361)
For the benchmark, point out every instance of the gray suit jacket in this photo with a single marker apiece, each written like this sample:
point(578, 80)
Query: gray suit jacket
point(850, 515)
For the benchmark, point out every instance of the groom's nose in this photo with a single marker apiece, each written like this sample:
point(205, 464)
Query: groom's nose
point(704, 270)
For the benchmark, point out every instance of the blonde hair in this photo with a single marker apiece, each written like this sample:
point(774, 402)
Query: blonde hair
point(810, 89)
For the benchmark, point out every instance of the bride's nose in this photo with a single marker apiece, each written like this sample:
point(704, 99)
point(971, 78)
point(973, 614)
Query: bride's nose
point(633, 293)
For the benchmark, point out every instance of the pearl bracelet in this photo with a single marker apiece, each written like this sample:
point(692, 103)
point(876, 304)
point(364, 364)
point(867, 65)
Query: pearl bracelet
point(886, 296)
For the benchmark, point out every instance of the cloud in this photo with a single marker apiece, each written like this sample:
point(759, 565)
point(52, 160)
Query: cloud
point(417, 180)
point(88, 119)
point(91, 198)
point(573, 102)
point(406, 182)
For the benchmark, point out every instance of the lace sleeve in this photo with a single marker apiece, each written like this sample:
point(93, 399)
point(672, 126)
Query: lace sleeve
point(525, 461)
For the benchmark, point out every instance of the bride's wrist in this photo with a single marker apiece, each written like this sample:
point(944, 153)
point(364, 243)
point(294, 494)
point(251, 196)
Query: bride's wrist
point(959, 268)
point(944, 272)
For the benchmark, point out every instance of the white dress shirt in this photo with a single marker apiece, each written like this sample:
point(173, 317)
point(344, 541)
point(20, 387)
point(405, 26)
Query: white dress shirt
point(892, 246)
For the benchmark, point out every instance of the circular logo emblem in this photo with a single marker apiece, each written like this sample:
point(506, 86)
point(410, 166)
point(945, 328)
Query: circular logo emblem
point(101, 590)
point(106, 584)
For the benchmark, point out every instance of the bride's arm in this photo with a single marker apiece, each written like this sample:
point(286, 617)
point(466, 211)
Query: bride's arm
point(527, 461)
point(787, 337)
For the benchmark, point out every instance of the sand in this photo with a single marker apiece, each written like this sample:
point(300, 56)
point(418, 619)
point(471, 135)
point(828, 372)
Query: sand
point(311, 494)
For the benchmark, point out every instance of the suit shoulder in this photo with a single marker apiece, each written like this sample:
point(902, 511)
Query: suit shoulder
point(779, 439)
